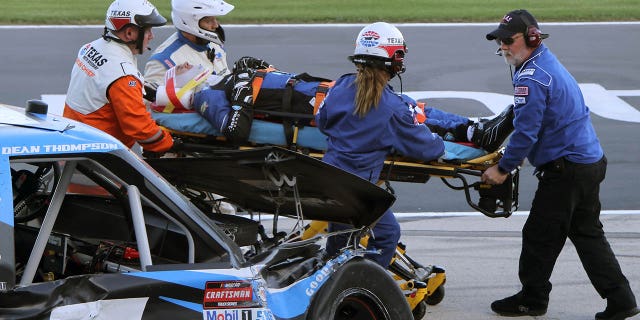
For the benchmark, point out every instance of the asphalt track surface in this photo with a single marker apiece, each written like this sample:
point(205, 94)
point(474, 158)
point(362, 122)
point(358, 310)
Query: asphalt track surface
point(479, 254)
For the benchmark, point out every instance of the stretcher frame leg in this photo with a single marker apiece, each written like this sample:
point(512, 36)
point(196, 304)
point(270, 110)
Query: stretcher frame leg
point(509, 191)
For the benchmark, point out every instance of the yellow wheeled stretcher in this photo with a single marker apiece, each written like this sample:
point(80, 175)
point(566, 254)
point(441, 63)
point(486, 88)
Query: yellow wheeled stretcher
point(460, 162)
point(423, 284)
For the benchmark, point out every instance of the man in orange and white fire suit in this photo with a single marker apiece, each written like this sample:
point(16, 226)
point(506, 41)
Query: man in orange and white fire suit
point(106, 87)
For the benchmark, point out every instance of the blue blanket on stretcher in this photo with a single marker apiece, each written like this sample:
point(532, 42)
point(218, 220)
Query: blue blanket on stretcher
point(270, 133)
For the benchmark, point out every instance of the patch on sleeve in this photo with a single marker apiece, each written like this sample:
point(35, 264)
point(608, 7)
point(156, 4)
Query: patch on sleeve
point(203, 107)
point(519, 100)
point(521, 91)
point(133, 83)
point(526, 72)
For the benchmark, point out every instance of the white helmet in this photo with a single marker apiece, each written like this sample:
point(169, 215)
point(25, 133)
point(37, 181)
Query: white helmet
point(380, 44)
point(186, 15)
point(137, 12)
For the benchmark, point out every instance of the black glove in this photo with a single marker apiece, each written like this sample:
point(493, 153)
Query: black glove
point(152, 154)
point(178, 145)
point(242, 92)
point(150, 90)
point(249, 63)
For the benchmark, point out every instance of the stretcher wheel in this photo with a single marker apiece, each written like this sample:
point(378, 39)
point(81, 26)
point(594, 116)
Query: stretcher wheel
point(419, 311)
point(436, 297)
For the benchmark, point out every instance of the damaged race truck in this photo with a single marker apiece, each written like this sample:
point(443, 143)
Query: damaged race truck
point(89, 230)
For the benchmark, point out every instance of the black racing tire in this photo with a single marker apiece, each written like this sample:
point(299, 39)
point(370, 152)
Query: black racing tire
point(359, 290)
point(436, 297)
point(420, 310)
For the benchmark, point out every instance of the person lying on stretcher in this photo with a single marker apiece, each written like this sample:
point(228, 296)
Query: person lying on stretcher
point(257, 90)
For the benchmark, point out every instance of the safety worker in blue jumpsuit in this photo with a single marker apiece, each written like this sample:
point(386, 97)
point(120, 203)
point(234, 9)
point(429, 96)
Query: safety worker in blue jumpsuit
point(365, 121)
point(553, 130)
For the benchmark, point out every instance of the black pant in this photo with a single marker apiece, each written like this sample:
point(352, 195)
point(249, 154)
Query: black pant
point(567, 204)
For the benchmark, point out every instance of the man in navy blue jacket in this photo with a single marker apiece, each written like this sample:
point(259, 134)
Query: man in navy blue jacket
point(553, 130)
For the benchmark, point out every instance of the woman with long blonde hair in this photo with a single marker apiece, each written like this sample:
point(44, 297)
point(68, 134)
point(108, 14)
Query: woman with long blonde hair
point(365, 120)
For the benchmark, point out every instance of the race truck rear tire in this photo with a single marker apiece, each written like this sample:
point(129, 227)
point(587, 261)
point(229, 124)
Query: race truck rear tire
point(359, 290)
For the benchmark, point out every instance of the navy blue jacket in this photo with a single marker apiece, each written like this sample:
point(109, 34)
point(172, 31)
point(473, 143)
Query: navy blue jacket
point(551, 119)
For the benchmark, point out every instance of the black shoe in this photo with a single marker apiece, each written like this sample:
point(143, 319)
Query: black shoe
point(514, 307)
point(613, 314)
point(490, 134)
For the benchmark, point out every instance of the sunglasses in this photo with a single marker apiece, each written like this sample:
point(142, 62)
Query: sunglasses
point(508, 41)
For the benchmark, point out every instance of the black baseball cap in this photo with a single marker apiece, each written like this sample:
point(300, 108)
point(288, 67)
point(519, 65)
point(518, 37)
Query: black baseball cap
point(516, 21)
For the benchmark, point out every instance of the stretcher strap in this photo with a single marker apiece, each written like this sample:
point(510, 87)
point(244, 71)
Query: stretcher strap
point(286, 107)
point(321, 93)
point(256, 83)
point(421, 117)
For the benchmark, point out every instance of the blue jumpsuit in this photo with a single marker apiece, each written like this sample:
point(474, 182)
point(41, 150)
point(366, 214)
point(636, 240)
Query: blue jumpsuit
point(553, 130)
point(360, 146)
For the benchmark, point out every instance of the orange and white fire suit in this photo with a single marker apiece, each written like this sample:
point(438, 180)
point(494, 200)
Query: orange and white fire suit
point(106, 92)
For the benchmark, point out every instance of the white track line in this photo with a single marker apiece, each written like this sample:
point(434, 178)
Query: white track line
point(426, 214)
point(473, 213)
point(336, 25)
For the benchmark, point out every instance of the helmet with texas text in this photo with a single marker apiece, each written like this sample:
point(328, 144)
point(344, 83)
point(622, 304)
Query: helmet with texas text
point(380, 45)
point(140, 13)
point(186, 15)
